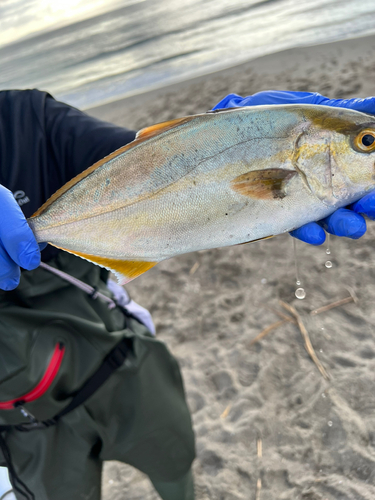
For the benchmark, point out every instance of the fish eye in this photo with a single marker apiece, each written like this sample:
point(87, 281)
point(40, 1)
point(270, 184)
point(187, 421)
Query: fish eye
point(365, 141)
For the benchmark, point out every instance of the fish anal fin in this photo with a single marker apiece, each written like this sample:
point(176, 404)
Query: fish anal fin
point(258, 239)
point(125, 270)
point(264, 184)
point(153, 130)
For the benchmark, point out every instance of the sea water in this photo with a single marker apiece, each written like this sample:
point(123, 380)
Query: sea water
point(144, 44)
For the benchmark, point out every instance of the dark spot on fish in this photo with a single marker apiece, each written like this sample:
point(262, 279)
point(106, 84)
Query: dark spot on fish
point(226, 214)
point(107, 182)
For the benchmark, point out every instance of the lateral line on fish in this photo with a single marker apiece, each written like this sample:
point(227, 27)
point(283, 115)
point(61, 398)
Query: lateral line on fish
point(145, 197)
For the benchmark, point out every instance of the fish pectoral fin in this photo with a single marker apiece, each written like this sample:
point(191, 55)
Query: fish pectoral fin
point(124, 270)
point(264, 184)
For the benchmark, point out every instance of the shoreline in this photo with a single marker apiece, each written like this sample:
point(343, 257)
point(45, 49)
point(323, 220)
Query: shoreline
point(298, 61)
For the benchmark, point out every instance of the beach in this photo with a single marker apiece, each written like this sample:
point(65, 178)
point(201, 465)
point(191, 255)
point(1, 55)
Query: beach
point(268, 424)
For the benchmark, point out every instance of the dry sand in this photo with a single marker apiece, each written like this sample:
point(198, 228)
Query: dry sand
point(317, 436)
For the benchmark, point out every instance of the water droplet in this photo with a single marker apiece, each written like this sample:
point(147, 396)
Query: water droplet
point(328, 264)
point(323, 395)
point(298, 282)
point(300, 293)
point(320, 350)
point(263, 281)
point(330, 423)
point(328, 251)
point(110, 481)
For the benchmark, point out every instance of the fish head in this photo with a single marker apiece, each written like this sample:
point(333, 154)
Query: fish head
point(335, 153)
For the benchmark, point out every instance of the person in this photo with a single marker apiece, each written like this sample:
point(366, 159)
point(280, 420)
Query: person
point(82, 378)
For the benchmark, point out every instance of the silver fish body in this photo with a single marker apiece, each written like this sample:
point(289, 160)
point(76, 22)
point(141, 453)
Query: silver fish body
point(212, 180)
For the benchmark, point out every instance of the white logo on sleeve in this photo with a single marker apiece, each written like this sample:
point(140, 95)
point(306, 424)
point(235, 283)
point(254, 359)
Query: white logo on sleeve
point(21, 197)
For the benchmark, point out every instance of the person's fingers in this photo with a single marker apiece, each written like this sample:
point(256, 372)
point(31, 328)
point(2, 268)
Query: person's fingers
point(345, 222)
point(366, 105)
point(271, 97)
point(15, 234)
point(21, 246)
point(365, 205)
point(9, 271)
point(310, 233)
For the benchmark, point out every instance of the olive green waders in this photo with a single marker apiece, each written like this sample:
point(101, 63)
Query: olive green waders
point(53, 338)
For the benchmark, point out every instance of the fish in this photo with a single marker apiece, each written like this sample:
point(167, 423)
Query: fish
point(211, 180)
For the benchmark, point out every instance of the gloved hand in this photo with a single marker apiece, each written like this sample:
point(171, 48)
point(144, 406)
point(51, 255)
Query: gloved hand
point(345, 221)
point(18, 247)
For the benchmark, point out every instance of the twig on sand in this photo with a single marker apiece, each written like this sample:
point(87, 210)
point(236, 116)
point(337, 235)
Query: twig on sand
point(308, 346)
point(259, 487)
point(259, 455)
point(194, 268)
point(266, 331)
point(337, 303)
point(226, 411)
point(280, 314)
point(285, 319)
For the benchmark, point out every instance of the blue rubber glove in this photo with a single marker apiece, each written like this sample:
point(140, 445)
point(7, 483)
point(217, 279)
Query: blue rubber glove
point(18, 247)
point(345, 221)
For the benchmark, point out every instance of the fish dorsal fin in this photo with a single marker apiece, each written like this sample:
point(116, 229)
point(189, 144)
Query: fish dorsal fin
point(148, 132)
point(142, 135)
point(264, 184)
point(125, 270)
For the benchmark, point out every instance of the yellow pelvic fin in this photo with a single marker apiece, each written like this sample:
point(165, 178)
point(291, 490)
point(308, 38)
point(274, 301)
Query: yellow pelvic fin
point(265, 184)
point(125, 270)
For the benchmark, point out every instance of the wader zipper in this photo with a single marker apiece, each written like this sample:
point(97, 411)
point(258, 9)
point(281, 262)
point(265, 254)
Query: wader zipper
point(45, 383)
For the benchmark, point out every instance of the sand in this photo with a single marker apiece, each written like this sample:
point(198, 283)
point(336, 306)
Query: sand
point(317, 436)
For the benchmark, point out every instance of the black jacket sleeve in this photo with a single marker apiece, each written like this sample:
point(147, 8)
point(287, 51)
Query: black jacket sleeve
point(44, 143)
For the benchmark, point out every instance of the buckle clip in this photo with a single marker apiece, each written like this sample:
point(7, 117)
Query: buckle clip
point(25, 413)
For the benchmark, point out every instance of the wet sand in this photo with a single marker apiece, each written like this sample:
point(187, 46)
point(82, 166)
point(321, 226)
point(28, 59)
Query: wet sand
point(317, 436)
